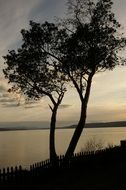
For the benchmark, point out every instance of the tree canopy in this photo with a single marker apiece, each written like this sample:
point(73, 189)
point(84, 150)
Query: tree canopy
point(31, 68)
point(93, 44)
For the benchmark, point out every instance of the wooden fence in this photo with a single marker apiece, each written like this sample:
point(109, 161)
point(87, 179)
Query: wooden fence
point(11, 175)
point(78, 160)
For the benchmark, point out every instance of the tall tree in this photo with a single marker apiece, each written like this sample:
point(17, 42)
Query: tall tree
point(93, 46)
point(88, 42)
point(32, 70)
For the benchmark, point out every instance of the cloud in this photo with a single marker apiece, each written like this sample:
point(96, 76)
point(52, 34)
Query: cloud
point(10, 105)
point(2, 88)
point(119, 10)
point(64, 106)
point(6, 99)
point(5, 95)
point(12, 100)
point(32, 105)
point(109, 87)
point(47, 10)
point(16, 14)
point(3, 85)
point(13, 17)
point(103, 113)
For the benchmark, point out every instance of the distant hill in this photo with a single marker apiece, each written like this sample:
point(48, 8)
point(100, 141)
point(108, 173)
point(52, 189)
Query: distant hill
point(102, 125)
point(25, 125)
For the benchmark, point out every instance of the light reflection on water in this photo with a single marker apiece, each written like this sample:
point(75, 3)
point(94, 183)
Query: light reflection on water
point(26, 147)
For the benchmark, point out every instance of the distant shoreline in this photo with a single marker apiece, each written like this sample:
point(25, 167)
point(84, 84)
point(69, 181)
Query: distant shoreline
point(21, 129)
point(88, 125)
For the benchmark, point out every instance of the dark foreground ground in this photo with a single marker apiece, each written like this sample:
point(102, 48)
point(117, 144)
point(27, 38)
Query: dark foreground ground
point(105, 171)
point(97, 178)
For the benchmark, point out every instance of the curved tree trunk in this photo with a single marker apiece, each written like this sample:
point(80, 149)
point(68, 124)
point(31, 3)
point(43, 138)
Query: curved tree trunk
point(82, 121)
point(52, 151)
point(77, 133)
point(53, 155)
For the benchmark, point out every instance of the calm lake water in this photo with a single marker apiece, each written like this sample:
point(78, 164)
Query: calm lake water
point(26, 147)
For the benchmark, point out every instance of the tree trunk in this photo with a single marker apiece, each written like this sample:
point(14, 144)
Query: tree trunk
point(77, 133)
point(81, 122)
point(53, 155)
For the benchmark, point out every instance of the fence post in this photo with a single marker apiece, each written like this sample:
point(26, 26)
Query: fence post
point(123, 144)
point(0, 175)
point(8, 174)
point(4, 175)
point(12, 173)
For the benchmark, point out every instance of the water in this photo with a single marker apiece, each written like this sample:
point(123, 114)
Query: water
point(26, 147)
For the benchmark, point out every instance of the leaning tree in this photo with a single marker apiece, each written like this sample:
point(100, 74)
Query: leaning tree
point(93, 46)
point(33, 70)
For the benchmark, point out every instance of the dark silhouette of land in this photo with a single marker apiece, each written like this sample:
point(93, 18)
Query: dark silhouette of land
point(13, 126)
point(103, 124)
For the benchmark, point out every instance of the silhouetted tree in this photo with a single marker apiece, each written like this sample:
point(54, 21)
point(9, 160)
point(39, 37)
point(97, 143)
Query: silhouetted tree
point(32, 70)
point(86, 43)
point(93, 46)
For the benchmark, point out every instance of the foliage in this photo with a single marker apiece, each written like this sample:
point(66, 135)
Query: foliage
point(93, 44)
point(31, 68)
point(93, 144)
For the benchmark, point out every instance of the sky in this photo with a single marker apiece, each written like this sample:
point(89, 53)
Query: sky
point(108, 94)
